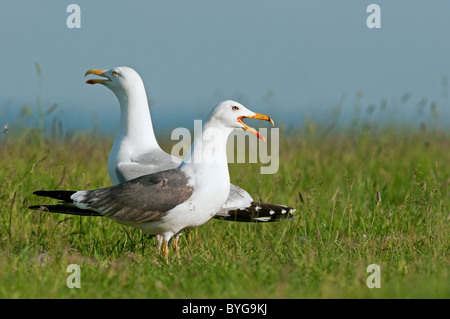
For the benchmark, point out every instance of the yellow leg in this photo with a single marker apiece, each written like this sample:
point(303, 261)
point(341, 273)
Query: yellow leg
point(165, 251)
point(176, 247)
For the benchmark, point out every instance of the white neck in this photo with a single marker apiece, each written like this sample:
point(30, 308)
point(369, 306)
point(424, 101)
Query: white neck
point(208, 154)
point(135, 120)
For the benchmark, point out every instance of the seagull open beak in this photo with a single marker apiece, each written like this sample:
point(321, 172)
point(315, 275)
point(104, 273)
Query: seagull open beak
point(258, 117)
point(99, 73)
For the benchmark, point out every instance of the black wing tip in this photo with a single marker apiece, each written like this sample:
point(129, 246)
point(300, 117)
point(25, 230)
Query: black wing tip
point(275, 210)
point(62, 209)
point(56, 194)
point(259, 212)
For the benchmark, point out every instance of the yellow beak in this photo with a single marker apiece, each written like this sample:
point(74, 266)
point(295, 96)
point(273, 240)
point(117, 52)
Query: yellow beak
point(99, 73)
point(257, 116)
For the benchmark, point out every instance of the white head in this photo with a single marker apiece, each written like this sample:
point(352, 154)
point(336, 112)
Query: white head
point(123, 81)
point(230, 114)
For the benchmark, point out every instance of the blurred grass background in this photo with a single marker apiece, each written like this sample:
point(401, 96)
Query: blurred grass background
point(365, 193)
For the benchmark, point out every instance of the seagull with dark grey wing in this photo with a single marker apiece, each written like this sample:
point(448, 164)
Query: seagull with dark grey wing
point(168, 202)
point(136, 151)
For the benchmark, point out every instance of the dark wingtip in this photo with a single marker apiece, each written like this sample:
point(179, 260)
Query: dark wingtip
point(61, 195)
point(62, 209)
point(259, 212)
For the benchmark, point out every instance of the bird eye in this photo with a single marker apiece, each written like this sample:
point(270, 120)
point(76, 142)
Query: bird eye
point(235, 108)
point(115, 73)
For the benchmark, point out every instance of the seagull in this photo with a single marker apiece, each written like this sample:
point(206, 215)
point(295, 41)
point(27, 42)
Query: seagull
point(136, 152)
point(170, 201)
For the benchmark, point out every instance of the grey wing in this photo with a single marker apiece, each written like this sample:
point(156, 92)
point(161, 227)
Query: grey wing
point(144, 199)
point(145, 164)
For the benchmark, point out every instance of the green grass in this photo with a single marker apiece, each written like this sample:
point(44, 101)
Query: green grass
point(331, 179)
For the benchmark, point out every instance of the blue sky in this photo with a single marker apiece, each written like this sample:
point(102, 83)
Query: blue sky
point(288, 59)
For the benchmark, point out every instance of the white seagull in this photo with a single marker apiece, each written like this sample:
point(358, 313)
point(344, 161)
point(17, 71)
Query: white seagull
point(168, 202)
point(136, 151)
